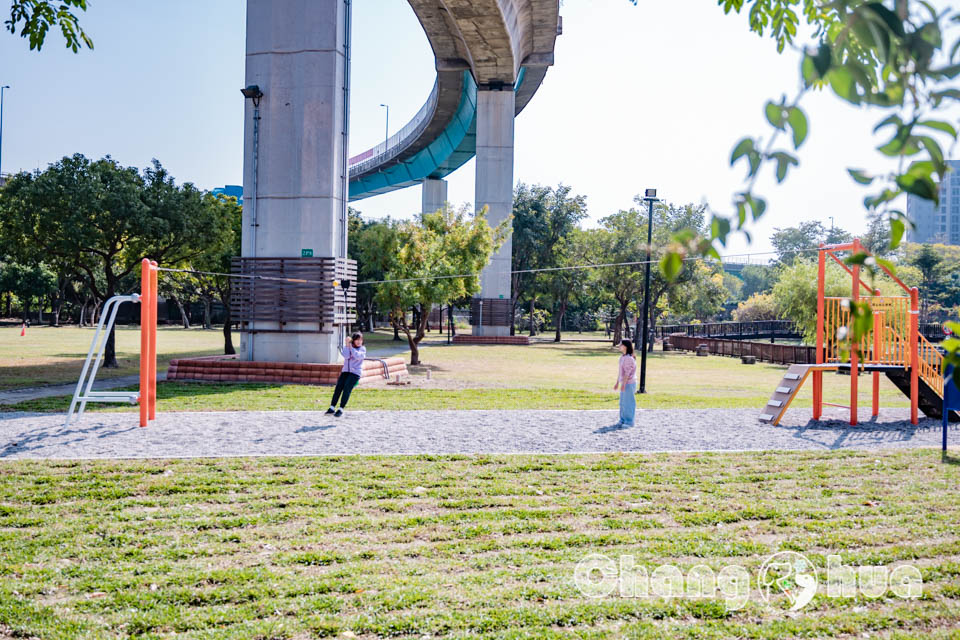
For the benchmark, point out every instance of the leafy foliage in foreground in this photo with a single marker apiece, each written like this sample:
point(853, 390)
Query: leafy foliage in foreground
point(38, 16)
point(454, 546)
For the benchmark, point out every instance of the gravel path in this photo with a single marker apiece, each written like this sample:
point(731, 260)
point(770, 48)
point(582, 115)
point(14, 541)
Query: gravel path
point(109, 435)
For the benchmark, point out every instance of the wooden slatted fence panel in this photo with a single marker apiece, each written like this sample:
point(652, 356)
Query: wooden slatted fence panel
point(283, 302)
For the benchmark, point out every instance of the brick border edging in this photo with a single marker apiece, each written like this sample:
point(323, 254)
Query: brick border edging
point(231, 369)
point(511, 340)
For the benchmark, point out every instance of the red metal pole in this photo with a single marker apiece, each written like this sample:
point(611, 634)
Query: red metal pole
point(854, 359)
point(153, 341)
point(914, 355)
point(818, 375)
point(144, 342)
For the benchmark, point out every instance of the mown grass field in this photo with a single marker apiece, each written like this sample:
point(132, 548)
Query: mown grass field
point(54, 355)
point(541, 376)
point(456, 546)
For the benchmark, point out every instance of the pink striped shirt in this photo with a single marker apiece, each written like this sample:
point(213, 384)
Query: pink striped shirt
point(628, 370)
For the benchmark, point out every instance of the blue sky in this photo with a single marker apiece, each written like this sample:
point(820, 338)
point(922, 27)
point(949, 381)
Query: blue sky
point(653, 95)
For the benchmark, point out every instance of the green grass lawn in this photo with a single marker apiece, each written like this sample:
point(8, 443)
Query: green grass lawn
point(540, 376)
point(54, 355)
point(458, 546)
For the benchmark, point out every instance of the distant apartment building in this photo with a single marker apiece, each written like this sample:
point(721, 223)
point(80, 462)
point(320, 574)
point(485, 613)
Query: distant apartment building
point(234, 190)
point(941, 223)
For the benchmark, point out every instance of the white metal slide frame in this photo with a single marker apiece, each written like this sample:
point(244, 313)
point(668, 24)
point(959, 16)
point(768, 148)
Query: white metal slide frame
point(84, 392)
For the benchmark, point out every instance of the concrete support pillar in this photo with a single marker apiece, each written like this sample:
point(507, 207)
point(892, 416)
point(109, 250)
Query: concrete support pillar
point(494, 188)
point(434, 194)
point(295, 54)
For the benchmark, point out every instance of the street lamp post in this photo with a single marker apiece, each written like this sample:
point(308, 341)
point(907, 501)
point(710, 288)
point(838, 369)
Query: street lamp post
point(6, 86)
point(386, 128)
point(649, 196)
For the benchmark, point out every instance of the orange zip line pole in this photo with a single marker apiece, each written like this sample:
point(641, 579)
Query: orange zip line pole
point(148, 341)
point(818, 375)
point(153, 340)
point(914, 355)
point(877, 330)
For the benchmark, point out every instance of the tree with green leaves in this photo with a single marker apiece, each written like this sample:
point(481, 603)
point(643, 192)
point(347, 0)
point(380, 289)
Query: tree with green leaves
point(702, 294)
point(759, 306)
point(573, 250)
point(757, 278)
point(104, 218)
point(803, 240)
point(930, 264)
point(542, 217)
point(27, 282)
point(417, 259)
point(34, 18)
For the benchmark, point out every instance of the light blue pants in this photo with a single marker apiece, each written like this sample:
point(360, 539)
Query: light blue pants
point(628, 404)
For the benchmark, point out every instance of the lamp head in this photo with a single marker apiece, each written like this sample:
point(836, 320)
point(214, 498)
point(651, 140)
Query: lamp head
point(252, 92)
point(650, 193)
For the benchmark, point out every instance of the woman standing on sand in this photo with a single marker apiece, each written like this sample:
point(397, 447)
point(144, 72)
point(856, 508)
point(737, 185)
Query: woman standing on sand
point(627, 383)
point(353, 354)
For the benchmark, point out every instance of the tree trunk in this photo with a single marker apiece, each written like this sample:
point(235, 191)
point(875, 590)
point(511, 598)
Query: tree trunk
point(563, 311)
point(228, 334)
point(618, 325)
point(396, 327)
point(639, 323)
point(110, 352)
point(207, 313)
point(184, 318)
point(414, 347)
point(450, 322)
point(533, 328)
point(653, 322)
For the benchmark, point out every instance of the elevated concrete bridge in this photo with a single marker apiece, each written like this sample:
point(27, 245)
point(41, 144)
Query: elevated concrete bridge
point(442, 136)
point(490, 57)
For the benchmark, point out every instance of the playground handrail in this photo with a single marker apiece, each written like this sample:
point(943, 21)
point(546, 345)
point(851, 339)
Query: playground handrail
point(931, 365)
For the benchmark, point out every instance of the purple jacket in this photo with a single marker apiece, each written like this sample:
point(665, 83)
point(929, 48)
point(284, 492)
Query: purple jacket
point(353, 359)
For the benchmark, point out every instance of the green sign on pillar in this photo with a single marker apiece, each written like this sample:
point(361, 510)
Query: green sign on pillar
point(306, 253)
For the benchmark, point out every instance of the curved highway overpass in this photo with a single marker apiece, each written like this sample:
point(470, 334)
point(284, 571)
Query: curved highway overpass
point(490, 57)
point(486, 44)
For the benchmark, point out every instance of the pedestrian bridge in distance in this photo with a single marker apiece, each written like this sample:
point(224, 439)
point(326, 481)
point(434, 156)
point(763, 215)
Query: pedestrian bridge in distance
point(478, 45)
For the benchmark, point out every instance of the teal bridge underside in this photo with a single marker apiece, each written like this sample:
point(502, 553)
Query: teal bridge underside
point(449, 151)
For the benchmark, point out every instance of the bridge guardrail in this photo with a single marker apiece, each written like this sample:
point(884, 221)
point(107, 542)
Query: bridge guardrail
point(393, 145)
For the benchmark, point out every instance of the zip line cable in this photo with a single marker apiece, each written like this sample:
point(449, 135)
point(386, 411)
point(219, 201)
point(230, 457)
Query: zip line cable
point(634, 263)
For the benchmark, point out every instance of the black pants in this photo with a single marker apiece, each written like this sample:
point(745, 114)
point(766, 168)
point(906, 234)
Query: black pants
point(345, 384)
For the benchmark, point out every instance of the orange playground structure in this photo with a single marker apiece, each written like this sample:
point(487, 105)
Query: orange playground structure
point(893, 348)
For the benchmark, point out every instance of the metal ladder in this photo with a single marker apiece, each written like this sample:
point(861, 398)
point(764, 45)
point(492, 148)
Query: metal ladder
point(84, 392)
